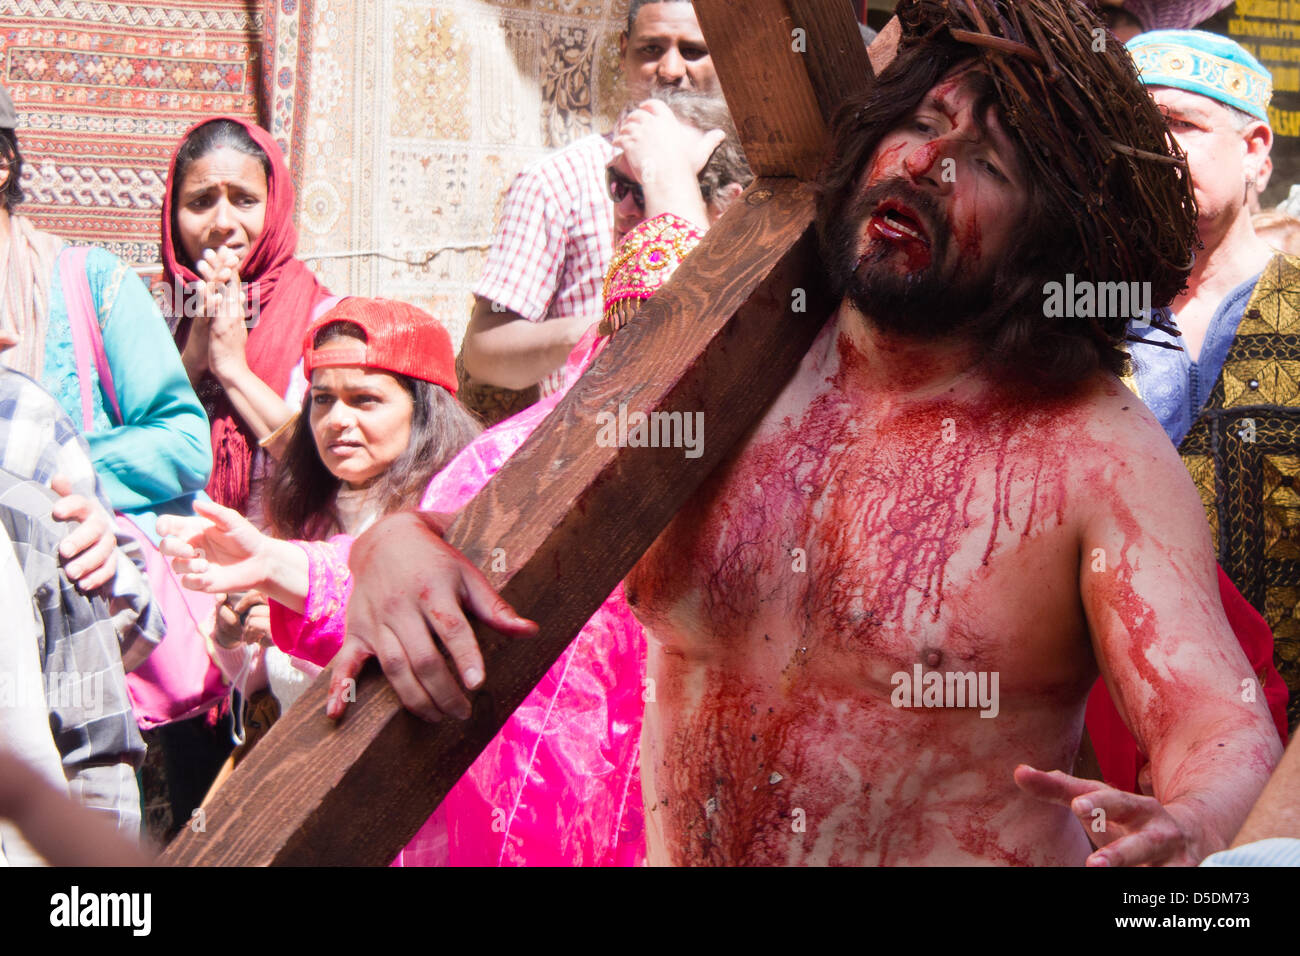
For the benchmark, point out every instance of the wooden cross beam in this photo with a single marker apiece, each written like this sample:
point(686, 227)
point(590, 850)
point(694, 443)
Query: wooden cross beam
point(722, 337)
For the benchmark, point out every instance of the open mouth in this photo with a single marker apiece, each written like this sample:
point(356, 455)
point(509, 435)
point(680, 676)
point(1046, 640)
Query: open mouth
point(897, 223)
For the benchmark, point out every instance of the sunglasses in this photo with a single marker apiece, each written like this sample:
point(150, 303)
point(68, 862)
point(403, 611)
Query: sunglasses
point(620, 185)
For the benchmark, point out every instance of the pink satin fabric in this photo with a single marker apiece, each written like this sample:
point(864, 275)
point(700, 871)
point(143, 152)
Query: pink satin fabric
point(560, 784)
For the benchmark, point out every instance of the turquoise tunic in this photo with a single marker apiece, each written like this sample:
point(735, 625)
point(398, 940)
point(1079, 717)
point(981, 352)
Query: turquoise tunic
point(161, 454)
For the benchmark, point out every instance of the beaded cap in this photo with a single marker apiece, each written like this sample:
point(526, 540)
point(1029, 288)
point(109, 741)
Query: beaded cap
point(1204, 63)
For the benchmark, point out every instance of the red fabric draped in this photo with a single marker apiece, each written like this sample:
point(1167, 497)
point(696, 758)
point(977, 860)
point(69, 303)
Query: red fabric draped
point(286, 293)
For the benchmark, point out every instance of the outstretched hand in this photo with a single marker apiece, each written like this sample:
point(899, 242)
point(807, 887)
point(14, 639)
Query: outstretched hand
point(217, 551)
point(1130, 830)
point(411, 590)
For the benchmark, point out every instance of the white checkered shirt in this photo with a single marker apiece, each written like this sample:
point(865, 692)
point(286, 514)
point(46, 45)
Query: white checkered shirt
point(554, 240)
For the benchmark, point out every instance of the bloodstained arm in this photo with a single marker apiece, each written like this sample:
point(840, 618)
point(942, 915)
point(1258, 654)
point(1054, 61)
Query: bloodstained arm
point(1174, 669)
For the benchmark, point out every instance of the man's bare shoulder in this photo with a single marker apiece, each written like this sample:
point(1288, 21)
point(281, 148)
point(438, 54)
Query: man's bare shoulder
point(1116, 417)
point(1125, 452)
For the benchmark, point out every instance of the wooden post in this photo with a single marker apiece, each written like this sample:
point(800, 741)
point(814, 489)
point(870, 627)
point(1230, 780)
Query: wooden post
point(722, 338)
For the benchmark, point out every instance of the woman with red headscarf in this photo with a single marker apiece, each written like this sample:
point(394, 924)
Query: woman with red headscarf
point(239, 305)
point(241, 300)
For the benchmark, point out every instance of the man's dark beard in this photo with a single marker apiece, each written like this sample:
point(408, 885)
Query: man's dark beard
point(928, 303)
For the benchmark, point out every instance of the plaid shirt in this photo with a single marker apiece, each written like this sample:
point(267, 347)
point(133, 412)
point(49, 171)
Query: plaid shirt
point(94, 730)
point(39, 441)
point(554, 240)
point(90, 712)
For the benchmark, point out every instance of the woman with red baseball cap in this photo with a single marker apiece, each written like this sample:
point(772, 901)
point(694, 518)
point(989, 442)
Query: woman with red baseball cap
point(379, 419)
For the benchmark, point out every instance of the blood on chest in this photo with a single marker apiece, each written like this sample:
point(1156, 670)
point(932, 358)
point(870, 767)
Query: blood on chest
point(863, 531)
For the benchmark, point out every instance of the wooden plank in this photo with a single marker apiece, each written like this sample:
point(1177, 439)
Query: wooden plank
point(836, 58)
point(785, 66)
point(765, 80)
point(573, 517)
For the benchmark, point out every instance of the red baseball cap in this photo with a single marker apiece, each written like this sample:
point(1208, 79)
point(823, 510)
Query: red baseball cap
point(399, 338)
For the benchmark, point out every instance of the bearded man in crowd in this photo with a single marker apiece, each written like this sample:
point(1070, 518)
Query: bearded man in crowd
point(978, 502)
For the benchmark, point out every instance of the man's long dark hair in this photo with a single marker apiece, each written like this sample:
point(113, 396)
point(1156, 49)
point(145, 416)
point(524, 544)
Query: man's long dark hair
point(301, 502)
point(1017, 341)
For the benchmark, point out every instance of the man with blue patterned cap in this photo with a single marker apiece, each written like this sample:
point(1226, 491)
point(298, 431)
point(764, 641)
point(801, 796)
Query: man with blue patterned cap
point(1230, 398)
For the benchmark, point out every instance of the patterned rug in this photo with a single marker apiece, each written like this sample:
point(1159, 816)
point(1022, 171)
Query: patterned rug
point(412, 142)
point(104, 91)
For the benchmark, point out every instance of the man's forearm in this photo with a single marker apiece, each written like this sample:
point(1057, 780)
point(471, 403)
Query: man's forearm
point(1211, 789)
point(506, 350)
point(61, 831)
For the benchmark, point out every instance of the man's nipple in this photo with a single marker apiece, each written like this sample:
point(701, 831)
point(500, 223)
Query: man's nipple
point(932, 657)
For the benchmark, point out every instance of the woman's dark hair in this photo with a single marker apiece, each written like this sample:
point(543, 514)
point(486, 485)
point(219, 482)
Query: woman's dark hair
point(302, 490)
point(13, 193)
point(218, 134)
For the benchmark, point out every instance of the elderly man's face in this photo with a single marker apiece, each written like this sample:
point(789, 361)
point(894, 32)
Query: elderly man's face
point(1222, 157)
point(666, 48)
point(937, 209)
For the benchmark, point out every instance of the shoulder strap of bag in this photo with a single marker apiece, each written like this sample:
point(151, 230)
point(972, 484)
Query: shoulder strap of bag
point(87, 339)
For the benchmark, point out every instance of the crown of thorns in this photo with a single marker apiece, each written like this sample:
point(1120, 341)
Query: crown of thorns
point(1098, 143)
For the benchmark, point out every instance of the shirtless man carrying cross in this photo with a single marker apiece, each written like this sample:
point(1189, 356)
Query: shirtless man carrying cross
point(948, 486)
